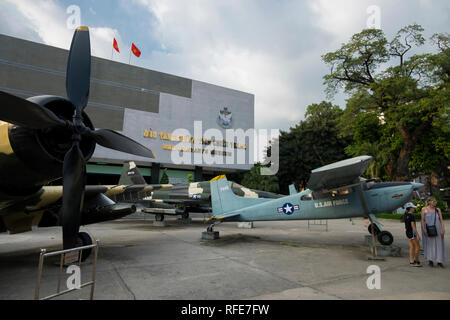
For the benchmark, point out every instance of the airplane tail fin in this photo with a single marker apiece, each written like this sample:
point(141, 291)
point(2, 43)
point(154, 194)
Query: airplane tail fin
point(224, 201)
point(131, 174)
point(292, 189)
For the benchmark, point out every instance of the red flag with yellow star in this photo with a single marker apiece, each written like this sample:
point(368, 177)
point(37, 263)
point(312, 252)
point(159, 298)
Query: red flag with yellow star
point(135, 50)
point(115, 45)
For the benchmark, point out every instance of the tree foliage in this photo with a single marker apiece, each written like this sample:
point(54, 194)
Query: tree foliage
point(397, 111)
point(254, 180)
point(190, 178)
point(313, 143)
point(164, 177)
point(398, 103)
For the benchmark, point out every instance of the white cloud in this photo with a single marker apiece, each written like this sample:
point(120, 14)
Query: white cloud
point(102, 41)
point(341, 19)
point(262, 53)
point(270, 49)
point(48, 20)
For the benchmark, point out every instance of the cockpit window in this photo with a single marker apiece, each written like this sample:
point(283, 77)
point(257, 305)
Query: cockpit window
point(235, 185)
point(330, 194)
point(321, 195)
point(340, 192)
point(386, 184)
point(306, 197)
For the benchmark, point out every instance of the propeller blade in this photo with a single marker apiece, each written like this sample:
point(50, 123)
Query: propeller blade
point(79, 69)
point(114, 140)
point(74, 172)
point(25, 113)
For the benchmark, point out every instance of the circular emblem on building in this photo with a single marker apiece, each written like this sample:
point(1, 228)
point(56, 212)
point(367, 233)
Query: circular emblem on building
point(225, 118)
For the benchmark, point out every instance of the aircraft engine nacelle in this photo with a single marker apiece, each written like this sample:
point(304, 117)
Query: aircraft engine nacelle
point(35, 157)
point(111, 212)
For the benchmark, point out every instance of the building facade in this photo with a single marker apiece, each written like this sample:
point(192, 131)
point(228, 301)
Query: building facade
point(192, 127)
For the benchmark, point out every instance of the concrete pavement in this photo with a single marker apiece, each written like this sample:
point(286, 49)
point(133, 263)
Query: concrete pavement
point(274, 260)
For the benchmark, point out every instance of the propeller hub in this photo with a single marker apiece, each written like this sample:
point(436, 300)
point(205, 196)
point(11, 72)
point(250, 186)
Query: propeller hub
point(56, 141)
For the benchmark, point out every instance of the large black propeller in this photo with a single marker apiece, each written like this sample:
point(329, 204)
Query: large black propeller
point(26, 113)
point(79, 69)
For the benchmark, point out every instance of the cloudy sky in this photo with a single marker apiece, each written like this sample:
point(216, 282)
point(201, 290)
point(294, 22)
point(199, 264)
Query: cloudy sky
point(271, 49)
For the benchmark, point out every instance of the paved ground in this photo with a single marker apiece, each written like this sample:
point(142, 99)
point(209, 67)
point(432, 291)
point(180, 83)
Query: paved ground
point(279, 260)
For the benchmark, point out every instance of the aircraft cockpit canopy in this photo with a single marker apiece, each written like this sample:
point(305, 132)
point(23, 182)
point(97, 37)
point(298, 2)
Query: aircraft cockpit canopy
point(306, 197)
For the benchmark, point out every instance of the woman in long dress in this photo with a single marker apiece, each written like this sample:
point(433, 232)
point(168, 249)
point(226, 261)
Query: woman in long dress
point(434, 248)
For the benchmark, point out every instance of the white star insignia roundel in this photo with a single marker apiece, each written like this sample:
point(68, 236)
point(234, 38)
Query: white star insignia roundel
point(287, 208)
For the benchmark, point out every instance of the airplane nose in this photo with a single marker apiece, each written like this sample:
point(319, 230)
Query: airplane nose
point(417, 185)
point(417, 195)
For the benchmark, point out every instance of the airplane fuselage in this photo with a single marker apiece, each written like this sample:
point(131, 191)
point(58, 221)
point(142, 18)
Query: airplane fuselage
point(306, 206)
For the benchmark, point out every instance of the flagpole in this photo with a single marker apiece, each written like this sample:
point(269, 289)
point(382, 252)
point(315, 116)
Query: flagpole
point(112, 53)
point(129, 60)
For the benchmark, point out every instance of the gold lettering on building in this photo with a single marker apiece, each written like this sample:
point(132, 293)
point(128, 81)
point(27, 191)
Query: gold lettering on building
point(190, 139)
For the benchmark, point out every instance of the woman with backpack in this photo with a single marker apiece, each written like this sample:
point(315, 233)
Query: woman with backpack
point(433, 231)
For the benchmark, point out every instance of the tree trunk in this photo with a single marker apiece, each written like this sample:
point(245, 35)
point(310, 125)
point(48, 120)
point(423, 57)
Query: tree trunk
point(401, 171)
point(434, 182)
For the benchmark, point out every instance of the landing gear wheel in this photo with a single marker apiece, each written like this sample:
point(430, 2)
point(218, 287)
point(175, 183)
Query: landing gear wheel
point(159, 217)
point(84, 239)
point(376, 231)
point(385, 238)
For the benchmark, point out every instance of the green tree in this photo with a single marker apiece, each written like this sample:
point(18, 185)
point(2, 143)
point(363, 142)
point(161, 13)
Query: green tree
point(366, 135)
point(405, 99)
point(254, 180)
point(190, 178)
point(164, 177)
point(313, 143)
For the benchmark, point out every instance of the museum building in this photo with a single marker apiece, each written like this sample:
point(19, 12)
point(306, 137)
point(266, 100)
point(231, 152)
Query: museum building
point(183, 121)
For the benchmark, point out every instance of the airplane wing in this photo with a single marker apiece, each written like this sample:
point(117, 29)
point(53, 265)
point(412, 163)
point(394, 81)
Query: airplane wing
point(42, 209)
point(186, 202)
point(338, 174)
point(133, 192)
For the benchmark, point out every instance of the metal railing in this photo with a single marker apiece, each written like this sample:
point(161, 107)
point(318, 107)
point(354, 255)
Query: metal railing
point(318, 223)
point(63, 261)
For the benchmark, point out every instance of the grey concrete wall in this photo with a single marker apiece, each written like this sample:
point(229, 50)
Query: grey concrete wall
point(179, 112)
point(126, 98)
point(36, 69)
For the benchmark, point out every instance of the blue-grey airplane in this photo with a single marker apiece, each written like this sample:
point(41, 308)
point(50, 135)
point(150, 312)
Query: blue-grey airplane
point(335, 191)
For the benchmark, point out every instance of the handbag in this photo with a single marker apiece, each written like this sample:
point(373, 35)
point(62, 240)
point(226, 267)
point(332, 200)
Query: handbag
point(431, 230)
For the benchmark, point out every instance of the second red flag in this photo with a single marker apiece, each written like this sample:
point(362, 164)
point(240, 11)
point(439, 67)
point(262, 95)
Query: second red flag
point(135, 50)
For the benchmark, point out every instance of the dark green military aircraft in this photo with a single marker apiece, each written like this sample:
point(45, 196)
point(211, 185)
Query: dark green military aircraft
point(168, 199)
point(44, 138)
